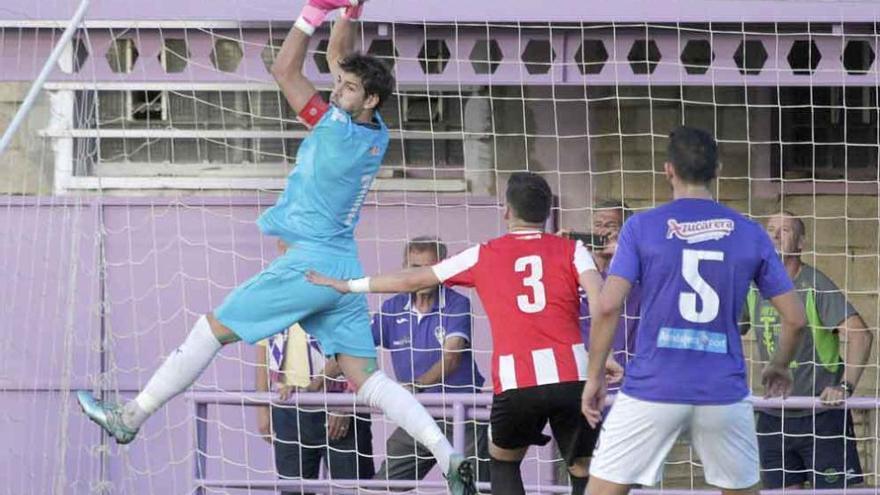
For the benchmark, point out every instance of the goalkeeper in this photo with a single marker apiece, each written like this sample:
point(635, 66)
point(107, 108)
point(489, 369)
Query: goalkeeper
point(316, 216)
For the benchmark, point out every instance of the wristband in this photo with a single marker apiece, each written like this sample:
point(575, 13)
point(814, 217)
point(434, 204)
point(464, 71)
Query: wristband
point(847, 387)
point(309, 19)
point(359, 284)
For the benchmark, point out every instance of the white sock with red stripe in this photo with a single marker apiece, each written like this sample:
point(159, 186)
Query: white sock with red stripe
point(402, 408)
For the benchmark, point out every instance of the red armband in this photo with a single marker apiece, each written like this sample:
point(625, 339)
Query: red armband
point(311, 114)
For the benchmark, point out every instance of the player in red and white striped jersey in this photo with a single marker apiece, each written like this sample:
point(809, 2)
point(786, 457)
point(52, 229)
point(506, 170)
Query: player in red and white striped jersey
point(528, 283)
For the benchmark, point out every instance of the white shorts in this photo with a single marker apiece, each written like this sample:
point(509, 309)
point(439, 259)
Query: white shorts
point(637, 436)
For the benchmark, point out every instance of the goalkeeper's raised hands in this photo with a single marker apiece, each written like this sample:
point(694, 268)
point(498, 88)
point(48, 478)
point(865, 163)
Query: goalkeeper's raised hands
point(314, 11)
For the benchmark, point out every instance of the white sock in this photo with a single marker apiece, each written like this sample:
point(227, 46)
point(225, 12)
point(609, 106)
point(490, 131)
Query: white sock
point(176, 374)
point(403, 409)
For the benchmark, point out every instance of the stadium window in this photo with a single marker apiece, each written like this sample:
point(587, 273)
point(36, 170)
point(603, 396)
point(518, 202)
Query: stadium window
point(422, 108)
point(164, 133)
point(147, 105)
point(826, 133)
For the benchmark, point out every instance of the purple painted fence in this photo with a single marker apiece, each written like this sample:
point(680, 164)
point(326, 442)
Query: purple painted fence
point(567, 42)
point(572, 54)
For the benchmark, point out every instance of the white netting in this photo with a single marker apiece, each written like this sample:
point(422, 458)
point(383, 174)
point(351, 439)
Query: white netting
point(130, 194)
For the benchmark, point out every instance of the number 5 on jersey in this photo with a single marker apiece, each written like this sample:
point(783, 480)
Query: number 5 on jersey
point(535, 269)
point(687, 301)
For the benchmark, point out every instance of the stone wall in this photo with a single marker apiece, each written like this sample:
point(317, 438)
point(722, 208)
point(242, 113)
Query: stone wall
point(26, 167)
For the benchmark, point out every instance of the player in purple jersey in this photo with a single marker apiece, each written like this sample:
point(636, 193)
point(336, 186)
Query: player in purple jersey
point(694, 260)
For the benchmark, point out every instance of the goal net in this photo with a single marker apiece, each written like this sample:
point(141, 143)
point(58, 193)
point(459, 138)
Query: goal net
point(129, 195)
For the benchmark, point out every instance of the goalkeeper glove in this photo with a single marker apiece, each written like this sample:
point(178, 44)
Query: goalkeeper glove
point(314, 12)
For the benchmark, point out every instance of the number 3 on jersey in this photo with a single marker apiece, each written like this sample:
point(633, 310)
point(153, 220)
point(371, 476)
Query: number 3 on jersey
point(535, 269)
point(687, 301)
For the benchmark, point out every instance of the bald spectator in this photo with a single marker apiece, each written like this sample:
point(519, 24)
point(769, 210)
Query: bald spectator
point(817, 446)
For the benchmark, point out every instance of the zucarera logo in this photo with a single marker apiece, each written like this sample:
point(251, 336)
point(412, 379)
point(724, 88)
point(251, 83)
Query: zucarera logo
point(699, 231)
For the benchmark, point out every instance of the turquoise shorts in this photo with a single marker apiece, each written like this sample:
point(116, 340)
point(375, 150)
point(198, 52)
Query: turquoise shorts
point(280, 296)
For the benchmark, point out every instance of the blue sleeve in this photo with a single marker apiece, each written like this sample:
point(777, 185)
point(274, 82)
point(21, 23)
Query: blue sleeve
point(458, 319)
point(377, 324)
point(771, 278)
point(584, 317)
point(626, 263)
point(335, 124)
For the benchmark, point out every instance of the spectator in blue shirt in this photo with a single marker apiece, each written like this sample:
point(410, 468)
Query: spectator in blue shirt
point(428, 334)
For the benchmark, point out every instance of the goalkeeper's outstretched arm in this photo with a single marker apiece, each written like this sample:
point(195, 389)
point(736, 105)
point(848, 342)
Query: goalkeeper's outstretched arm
point(288, 66)
point(288, 70)
point(409, 280)
point(342, 38)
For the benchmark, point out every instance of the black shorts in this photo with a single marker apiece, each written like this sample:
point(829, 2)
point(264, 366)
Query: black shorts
point(520, 415)
point(819, 449)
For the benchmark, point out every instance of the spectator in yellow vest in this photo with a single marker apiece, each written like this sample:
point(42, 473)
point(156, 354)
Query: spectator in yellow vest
point(818, 446)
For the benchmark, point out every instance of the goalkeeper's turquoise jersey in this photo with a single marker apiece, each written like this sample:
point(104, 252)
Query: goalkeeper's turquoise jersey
point(335, 166)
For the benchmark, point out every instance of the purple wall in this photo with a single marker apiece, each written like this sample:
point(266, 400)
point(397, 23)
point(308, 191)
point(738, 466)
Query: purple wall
point(166, 263)
point(463, 10)
point(48, 314)
point(520, 31)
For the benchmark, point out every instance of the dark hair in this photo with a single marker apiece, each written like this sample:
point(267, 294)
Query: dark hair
point(427, 244)
point(615, 204)
point(530, 197)
point(375, 76)
point(694, 154)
